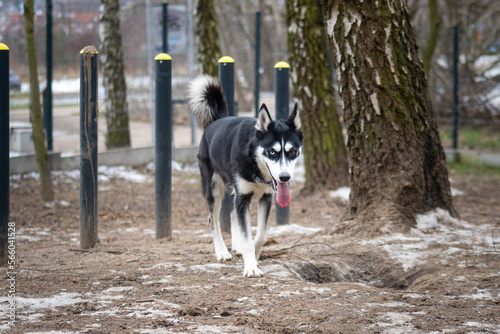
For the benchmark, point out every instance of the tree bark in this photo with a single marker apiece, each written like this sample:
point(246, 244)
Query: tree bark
point(207, 37)
point(113, 76)
point(398, 167)
point(325, 155)
point(432, 36)
point(42, 157)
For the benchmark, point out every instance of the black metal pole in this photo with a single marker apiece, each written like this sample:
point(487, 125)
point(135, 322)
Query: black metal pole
point(163, 146)
point(226, 78)
point(455, 93)
point(164, 22)
point(47, 96)
point(4, 152)
point(257, 62)
point(88, 147)
point(282, 95)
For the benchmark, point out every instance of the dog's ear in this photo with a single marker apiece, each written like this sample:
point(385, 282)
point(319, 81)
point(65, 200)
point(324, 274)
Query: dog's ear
point(264, 119)
point(293, 120)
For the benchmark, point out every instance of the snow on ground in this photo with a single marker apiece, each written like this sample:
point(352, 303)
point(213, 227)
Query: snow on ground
point(342, 193)
point(275, 231)
point(72, 85)
point(438, 228)
point(105, 174)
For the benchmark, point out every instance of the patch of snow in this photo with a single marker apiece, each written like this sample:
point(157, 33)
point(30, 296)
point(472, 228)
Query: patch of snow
point(292, 228)
point(289, 293)
point(395, 318)
point(123, 172)
point(342, 193)
point(209, 267)
point(456, 192)
point(105, 173)
point(53, 332)
point(118, 289)
point(491, 327)
point(62, 299)
point(210, 329)
point(481, 294)
point(150, 313)
point(436, 228)
point(177, 266)
point(316, 289)
point(275, 270)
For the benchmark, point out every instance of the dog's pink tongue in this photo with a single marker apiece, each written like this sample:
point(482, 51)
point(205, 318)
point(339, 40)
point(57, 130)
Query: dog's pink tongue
point(283, 196)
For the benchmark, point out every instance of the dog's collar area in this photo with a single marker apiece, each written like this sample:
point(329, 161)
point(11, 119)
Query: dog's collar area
point(270, 183)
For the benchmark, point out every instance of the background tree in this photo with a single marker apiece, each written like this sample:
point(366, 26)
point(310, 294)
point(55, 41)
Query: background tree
point(42, 157)
point(207, 35)
point(432, 36)
point(325, 155)
point(113, 76)
point(398, 167)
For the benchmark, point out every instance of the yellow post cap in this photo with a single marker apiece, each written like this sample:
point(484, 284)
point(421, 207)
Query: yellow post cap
point(163, 56)
point(226, 59)
point(89, 49)
point(282, 64)
point(3, 47)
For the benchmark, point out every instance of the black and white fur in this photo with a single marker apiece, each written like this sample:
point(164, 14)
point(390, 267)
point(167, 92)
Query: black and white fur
point(247, 157)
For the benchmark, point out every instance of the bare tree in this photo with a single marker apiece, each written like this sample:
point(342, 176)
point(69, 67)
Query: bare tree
point(325, 154)
point(112, 66)
point(398, 167)
point(42, 157)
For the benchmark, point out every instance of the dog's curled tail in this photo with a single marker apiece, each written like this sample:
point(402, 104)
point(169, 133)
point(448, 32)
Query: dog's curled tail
point(207, 100)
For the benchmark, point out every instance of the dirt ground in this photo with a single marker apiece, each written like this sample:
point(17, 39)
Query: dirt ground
point(440, 278)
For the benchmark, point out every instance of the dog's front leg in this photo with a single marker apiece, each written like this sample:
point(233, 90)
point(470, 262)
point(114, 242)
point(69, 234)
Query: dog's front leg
point(247, 248)
point(265, 203)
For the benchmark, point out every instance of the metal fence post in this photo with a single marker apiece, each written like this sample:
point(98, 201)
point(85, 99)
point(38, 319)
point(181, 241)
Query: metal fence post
point(88, 147)
point(455, 94)
point(4, 152)
point(164, 22)
point(257, 62)
point(226, 78)
point(163, 146)
point(281, 91)
point(47, 96)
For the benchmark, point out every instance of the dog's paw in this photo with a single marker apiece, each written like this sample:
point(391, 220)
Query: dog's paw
point(224, 256)
point(252, 272)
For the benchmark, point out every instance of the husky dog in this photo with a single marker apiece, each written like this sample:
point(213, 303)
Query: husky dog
point(247, 157)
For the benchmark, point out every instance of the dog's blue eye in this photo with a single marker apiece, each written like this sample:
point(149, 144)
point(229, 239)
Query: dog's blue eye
point(272, 152)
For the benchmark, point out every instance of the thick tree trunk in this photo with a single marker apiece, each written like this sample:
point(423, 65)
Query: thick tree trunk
point(432, 35)
point(398, 167)
point(325, 155)
point(42, 157)
point(207, 37)
point(113, 76)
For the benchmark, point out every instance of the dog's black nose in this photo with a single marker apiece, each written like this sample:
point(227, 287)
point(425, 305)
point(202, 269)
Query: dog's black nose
point(284, 177)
